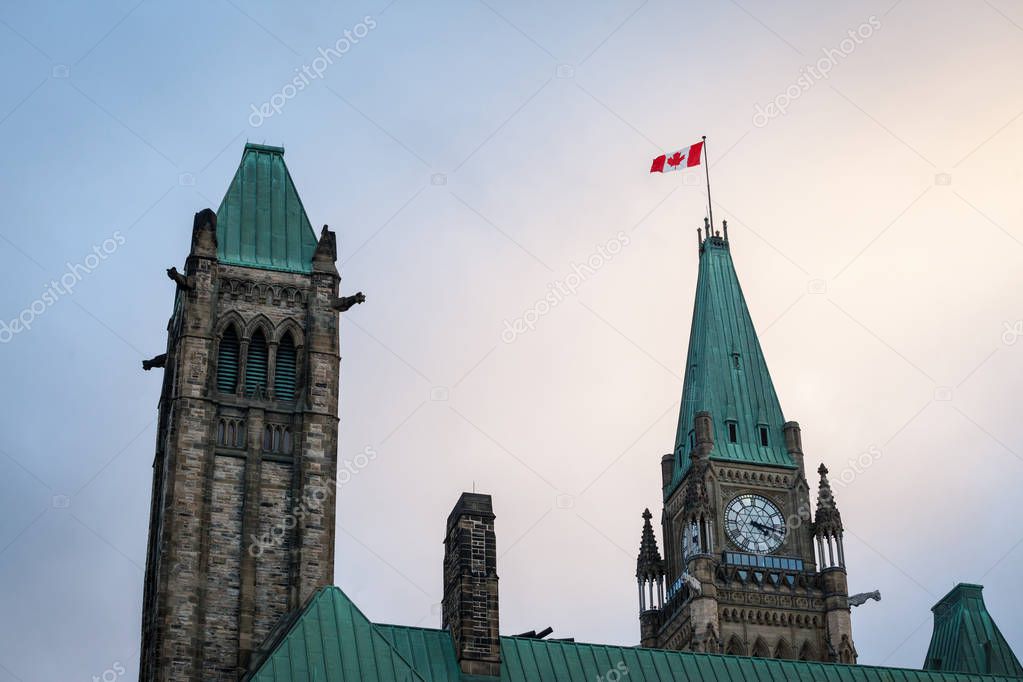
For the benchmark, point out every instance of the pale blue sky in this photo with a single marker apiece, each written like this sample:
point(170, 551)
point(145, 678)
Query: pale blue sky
point(468, 154)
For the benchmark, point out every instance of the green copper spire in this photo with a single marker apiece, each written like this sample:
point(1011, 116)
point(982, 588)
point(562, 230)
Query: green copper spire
point(261, 222)
point(965, 637)
point(726, 374)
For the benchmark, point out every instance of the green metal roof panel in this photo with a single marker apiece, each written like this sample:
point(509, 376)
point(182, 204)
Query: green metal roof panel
point(431, 651)
point(261, 222)
point(532, 660)
point(332, 641)
point(726, 373)
point(966, 638)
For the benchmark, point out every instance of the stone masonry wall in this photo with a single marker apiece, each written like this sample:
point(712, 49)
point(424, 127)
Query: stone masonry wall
point(223, 583)
point(273, 559)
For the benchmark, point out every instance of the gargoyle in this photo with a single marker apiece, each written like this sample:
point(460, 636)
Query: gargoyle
point(179, 279)
point(158, 361)
point(863, 597)
point(694, 584)
point(345, 302)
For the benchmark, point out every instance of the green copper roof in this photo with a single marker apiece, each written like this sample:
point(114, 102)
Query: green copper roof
point(726, 373)
point(965, 637)
point(332, 641)
point(431, 651)
point(261, 222)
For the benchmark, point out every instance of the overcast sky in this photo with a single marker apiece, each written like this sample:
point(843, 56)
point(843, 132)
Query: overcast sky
point(469, 155)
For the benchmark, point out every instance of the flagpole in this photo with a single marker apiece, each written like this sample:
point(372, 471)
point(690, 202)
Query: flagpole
point(706, 168)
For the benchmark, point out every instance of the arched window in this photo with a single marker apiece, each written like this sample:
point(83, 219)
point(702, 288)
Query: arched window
point(284, 373)
point(277, 438)
point(255, 365)
point(227, 362)
point(231, 433)
point(760, 649)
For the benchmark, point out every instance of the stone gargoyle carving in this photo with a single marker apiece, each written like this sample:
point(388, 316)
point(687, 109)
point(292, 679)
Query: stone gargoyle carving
point(158, 361)
point(179, 279)
point(345, 302)
point(863, 597)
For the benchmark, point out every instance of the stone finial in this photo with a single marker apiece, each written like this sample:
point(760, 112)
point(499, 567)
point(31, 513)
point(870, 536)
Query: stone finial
point(649, 565)
point(827, 520)
point(325, 255)
point(703, 426)
point(667, 469)
point(204, 233)
point(696, 499)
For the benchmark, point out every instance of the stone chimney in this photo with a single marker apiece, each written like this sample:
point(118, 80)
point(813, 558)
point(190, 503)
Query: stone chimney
point(470, 607)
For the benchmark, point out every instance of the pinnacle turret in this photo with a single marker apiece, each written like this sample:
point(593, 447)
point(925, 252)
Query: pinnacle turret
point(827, 525)
point(649, 565)
point(828, 520)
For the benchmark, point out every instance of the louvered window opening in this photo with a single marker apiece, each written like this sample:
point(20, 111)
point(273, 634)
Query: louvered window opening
point(255, 366)
point(227, 363)
point(285, 370)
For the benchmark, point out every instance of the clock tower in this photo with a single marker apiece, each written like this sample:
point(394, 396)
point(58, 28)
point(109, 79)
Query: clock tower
point(750, 567)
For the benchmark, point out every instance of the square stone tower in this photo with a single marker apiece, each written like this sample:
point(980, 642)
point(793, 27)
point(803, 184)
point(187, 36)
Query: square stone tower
point(242, 518)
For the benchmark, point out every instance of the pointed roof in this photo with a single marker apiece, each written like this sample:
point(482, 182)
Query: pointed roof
point(333, 641)
point(648, 563)
point(726, 373)
point(965, 637)
point(261, 222)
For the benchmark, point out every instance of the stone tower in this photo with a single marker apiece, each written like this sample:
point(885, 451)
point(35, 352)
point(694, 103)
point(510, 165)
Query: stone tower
point(242, 517)
point(741, 574)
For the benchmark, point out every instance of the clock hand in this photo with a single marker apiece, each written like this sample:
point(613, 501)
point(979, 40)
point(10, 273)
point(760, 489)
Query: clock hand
point(764, 529)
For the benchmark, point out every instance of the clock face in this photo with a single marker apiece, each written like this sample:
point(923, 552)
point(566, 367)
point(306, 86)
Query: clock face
point(754, 524)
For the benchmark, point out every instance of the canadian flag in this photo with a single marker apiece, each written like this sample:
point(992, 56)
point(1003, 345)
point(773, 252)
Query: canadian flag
point(683, 158)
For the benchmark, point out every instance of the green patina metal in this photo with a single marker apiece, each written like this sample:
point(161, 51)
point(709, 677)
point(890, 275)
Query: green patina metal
point(965, 637)
point(726, 373)
point(261, 222)
point(332, 641)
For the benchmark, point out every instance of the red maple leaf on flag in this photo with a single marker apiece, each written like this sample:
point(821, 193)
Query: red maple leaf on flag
point(675, 159)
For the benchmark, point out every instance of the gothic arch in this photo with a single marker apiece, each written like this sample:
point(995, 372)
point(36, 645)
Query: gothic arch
point(760, 649)
point(228, 319)
point(806, 652)
point(288, 325)
point(260, 322)
point(783, 650)
point(735, 646)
